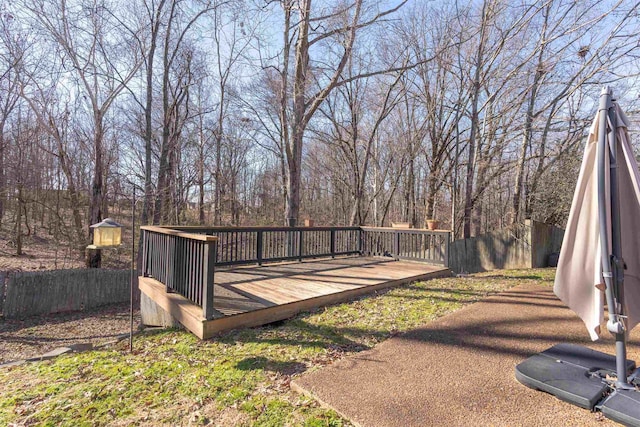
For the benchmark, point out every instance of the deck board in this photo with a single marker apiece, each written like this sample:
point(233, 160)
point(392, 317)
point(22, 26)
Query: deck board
point(255, 295)
point(283, 284)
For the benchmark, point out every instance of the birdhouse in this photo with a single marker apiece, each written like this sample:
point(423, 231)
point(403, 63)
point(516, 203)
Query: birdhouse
point(106, 234)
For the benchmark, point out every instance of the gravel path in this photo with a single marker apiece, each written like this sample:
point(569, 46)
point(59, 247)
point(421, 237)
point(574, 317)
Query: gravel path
point(34, 336)
point(459, 369)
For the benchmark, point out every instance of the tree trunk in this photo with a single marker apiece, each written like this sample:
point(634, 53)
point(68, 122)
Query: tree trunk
point(148, 137)
point(148, 119)
point(94, 257)
point(477, 80)
point(298, 119)
point(18, 227)
point(217, 214)
point(74, 198)
point(201, 218)
point(528, 127)
point(294, 176)
point(3, 177)
point(430, 200)
point(162, 187)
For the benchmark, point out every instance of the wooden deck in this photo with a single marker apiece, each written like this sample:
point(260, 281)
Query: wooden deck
point(252, 295)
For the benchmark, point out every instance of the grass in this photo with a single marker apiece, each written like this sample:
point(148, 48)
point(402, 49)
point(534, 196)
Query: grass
point(239, 378)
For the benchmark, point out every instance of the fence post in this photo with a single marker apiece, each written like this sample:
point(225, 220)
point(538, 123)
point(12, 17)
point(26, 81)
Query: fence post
point(361, 237)
point(332, 245)
point(396, 245)
point(145, 254)
point(259, 247)
point(299, 245)
point(209, 271)
point(446, 249)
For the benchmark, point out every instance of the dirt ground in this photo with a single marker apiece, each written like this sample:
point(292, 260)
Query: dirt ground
point(45, 253)
point(34, 336)
point(38, 254)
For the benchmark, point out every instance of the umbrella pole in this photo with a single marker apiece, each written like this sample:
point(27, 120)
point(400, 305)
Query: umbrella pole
point(612, 264)
point(616, 260)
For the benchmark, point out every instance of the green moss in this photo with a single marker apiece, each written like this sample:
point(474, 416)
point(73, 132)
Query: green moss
point(172, 374)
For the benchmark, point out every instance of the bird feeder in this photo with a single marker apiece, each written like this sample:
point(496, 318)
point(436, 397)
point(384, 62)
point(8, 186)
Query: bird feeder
point(106, 234)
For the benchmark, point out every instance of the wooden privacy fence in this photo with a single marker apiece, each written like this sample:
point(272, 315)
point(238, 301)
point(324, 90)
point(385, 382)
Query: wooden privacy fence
point(34, 293)
point(526, 245)
point(184, 258)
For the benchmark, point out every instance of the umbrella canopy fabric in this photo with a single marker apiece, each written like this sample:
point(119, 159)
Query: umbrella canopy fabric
point(579, 282)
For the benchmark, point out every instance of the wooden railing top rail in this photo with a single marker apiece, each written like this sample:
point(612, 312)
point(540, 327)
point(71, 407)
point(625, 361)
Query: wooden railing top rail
point(192, 231)
point(199, 228)
point(173, 231)
point(404, 230)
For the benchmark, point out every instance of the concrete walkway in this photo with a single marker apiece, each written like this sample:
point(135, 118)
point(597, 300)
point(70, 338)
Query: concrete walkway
point(459, 369)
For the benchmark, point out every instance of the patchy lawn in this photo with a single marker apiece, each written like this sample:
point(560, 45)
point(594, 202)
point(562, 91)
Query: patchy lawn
point(239, 378)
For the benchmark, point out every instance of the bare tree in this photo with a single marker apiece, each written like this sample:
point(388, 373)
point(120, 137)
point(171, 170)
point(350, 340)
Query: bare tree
point(561, 43)
point(101, 62)
point(176, 58)
point(356, 111)
point(232, 35)
point(11, 51)
point(154, 14)
point(302, 32)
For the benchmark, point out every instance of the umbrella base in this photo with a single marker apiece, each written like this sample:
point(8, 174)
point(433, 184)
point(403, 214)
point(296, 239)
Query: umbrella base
point(623, 406)
point(582, 377)
point(567, 382)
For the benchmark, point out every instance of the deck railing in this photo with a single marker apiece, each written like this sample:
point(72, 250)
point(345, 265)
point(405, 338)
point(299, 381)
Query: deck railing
point(410, 244)
point(183, 262)
point(184, 258)
point(257, 245)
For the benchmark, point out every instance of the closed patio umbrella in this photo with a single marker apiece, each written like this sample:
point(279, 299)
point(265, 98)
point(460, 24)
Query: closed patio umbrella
point(599, 261)
point(581, 277)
